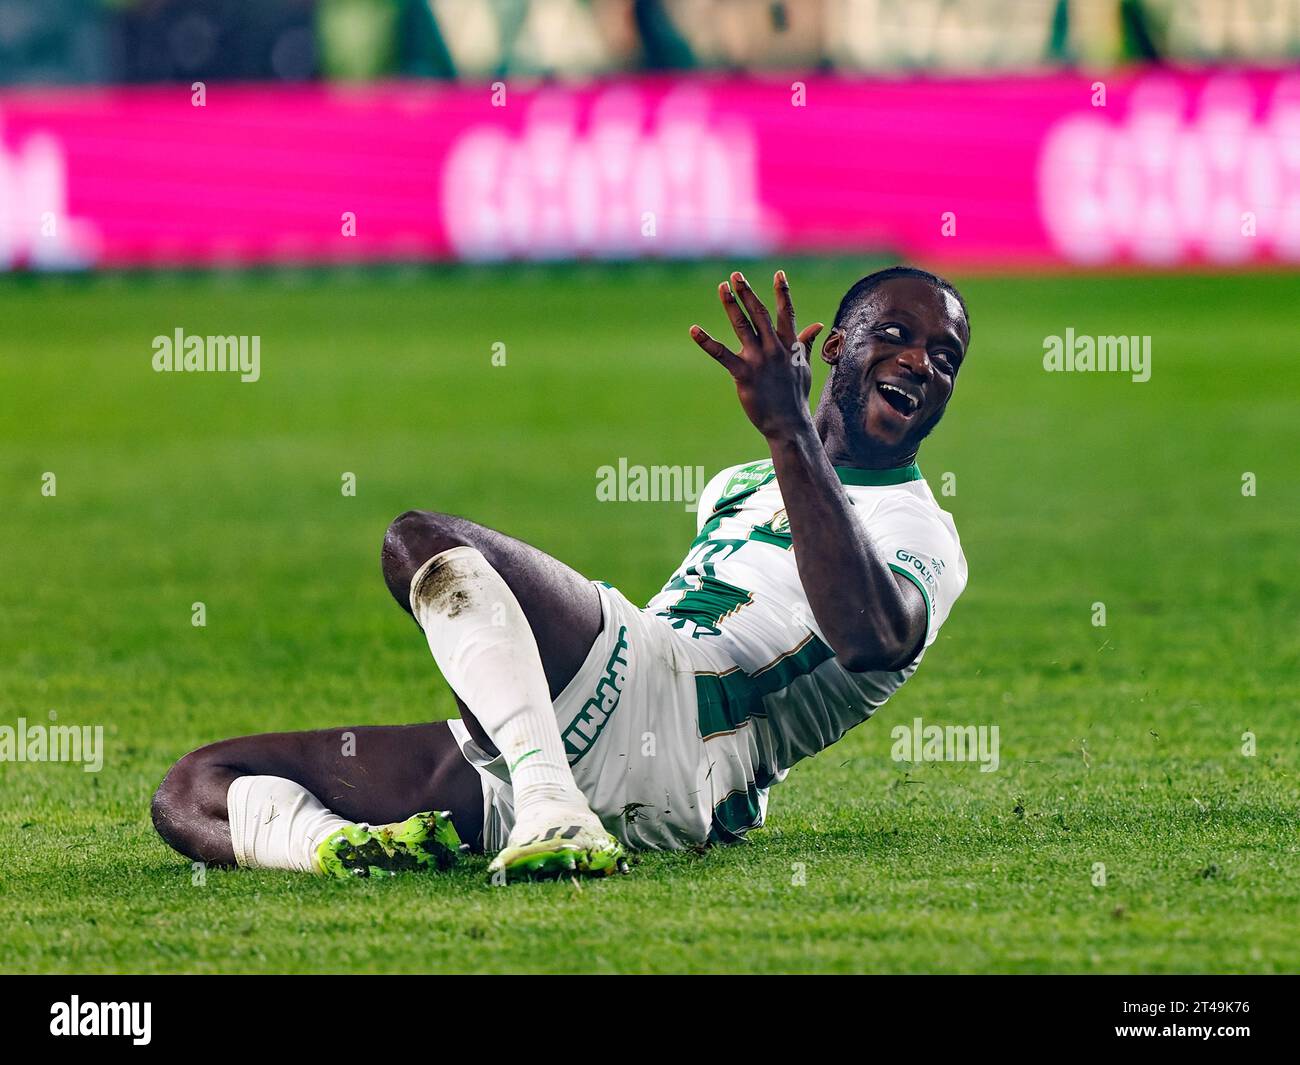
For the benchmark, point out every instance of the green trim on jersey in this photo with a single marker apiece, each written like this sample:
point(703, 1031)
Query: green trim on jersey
point(725, 701)
point(749, 479)
point(929, 604)
point(735, 815)
point(738, 488)
point(709, 604)
point(876, 478)
point(714, 599)
point(774, 531)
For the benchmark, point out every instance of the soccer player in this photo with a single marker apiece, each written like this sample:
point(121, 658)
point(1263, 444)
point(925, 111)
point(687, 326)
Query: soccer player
point(819, 577)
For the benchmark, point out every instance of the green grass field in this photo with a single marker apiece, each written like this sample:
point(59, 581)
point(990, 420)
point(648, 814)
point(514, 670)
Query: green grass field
point(1120, 745)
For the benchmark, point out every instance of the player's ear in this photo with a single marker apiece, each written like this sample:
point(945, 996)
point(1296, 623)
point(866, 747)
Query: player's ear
point(833, 347)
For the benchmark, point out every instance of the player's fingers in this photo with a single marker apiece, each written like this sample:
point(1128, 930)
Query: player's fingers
point(784, 308)
point(744, 331)
point(808, 335)
point(806, 339)
point(720, 352)
point(757, 312)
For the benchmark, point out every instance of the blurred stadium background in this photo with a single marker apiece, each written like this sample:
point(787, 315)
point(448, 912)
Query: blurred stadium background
point(149, 41)
point(997, 133)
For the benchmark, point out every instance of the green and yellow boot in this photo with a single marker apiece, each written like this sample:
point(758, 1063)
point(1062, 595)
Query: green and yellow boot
point(423, 841)
point(561, 850)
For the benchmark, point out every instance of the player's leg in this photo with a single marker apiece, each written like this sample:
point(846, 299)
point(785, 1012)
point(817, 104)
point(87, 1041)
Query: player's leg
point(560, 604)
point(509, 627)
point(272, 800)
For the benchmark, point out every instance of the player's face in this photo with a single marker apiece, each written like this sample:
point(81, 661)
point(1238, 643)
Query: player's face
point(896, 363)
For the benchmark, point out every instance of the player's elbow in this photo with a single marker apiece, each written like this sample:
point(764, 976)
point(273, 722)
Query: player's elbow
point(862, 661)
point(881, 654)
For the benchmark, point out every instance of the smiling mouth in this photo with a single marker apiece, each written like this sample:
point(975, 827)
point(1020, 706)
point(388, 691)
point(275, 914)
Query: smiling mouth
point(902, 401)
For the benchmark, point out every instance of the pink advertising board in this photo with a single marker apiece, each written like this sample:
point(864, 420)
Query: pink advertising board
point(1149, 168)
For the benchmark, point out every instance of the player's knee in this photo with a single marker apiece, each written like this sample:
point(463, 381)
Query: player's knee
point(413, 538)
point(178, 800)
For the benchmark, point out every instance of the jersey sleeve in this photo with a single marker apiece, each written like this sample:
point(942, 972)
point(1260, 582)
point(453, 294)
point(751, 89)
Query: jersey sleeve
point(711, 494)
point(916, 543)
point(737, 481)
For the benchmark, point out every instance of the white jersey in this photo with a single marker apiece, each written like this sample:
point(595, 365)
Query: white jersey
point(737, 597)
point(686, 711)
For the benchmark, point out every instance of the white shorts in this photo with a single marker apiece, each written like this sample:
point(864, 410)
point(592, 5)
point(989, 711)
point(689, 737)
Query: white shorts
point(631, 728)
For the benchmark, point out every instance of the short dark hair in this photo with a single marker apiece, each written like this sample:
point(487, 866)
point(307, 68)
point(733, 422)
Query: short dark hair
point(863, 288)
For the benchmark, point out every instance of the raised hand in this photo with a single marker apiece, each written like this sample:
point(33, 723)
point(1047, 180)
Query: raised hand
point(771, 371)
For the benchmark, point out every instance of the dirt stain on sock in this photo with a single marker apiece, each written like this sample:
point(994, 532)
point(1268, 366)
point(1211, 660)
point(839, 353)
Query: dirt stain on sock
point(446, 591)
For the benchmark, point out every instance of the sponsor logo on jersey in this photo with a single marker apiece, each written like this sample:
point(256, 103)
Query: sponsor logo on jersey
point(597, 710)
point(747, 477)
point(915, 565)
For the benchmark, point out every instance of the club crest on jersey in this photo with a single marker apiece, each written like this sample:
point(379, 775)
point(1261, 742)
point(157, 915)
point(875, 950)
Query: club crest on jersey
point(776, 530)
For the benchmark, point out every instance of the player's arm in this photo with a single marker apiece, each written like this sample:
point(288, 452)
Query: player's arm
point(872, 618)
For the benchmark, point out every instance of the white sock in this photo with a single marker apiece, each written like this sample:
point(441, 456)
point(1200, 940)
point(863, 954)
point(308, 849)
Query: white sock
point(487, 652)
point(277, 824)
